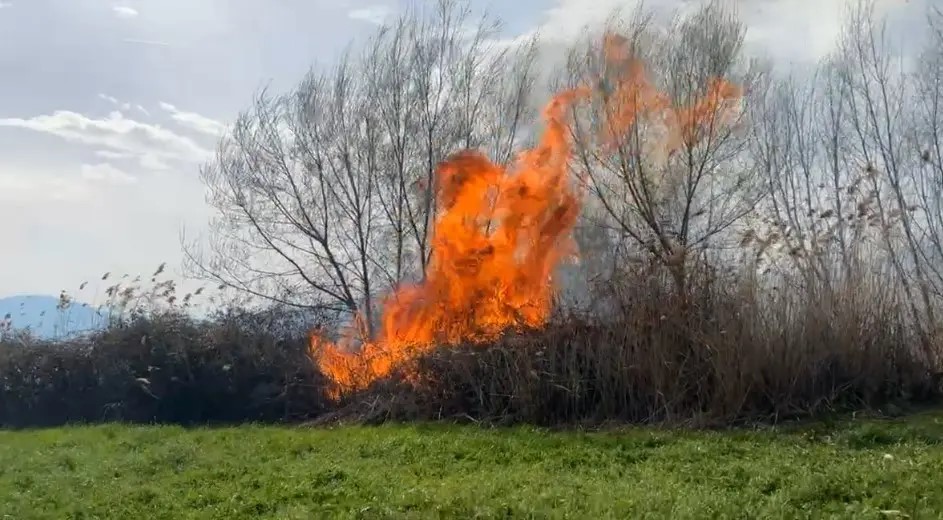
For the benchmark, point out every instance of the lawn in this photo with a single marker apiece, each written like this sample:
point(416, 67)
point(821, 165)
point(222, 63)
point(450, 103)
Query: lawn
point(849, 469)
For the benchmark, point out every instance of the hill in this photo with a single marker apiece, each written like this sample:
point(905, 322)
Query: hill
point(40, 315)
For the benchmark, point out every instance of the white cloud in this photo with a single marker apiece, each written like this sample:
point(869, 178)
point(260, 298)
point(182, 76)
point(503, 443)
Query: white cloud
point(195, 121)
point(169, 55)
point(792, 30)
point(569, 18)
point(155, 43)
point(375, 14)
point(153, 162)
point(64, 231)
point(123, 11)
point(114, 101)
point(153, 145)
point(787, 32)
point(107, 173)
point(18, 188)
point(109, 154)
point(5, 4)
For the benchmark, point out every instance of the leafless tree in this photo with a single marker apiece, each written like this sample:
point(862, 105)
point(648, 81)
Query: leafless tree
point(661, 150)
point(928, 145)
point(324, 197)
point(439, 85)
point(818, 213)
point(852, 184)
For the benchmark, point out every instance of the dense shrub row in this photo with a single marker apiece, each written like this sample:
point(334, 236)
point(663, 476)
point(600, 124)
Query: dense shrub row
point(238, 366)
point(724, 356)
point(727, 353)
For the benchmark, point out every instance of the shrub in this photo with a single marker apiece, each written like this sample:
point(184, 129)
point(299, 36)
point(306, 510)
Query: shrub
point(723, 355)
point(726, 352)
point(237, 366)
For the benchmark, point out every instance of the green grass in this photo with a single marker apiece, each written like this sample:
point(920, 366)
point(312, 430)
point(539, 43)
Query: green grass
point(850, 469)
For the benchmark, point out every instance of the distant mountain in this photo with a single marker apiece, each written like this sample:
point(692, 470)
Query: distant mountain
point(39, 314)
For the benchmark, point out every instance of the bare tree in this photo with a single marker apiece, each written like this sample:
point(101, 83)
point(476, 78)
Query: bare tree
point(324, 195)
point(661, 146)
point(818, 212)
point(852, 184)
point(882, 94)
point(295, 196)
point(928, 145)
point(441, 85)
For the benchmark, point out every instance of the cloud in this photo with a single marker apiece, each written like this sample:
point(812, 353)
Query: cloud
point(195, 121)
point(18, 188)
point(123, 105)
point(770, 26)
point(63, 226)
point(4, 5)
point(108, 154)
point(375, 14)
point(155, 43)
point(114, 101)
point(204, 57)
point(123, 11)
point(26, 187)
point(153, 145)
point(107, 173)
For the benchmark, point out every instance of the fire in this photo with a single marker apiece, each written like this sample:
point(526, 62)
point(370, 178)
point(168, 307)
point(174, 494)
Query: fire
point(631, 96)
point(499, 236)
point(501, 232)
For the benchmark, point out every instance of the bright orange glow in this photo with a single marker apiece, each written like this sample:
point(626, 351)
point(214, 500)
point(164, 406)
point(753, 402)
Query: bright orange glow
point(631, 97)
point(501, 232)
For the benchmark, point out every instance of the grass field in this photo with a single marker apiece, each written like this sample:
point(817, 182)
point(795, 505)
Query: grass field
point(852, 468)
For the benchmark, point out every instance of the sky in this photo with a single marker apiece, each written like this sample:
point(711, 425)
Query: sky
point(109, 108)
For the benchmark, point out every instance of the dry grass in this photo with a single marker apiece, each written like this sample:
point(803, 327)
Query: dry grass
point(238, 366)
point(725, 355)
point(115, 300)
point(729, 351)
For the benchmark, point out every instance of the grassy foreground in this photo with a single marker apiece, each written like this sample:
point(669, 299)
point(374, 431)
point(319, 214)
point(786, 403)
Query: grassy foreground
point(853, 469)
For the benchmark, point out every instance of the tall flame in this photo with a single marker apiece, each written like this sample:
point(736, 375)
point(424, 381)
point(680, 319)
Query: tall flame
point(501, 232)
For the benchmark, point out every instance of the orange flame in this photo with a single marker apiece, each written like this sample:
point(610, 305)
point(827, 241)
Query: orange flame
point(635, 97)
point(501, 233)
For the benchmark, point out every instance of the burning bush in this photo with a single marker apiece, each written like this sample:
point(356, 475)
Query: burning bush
point(724, 356)
point(475, 338)
point(696, 174)
point(501, 233)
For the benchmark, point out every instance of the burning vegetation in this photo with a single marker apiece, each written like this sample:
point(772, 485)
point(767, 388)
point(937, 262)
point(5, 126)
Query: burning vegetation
point(752, 247)
point(501, 232)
